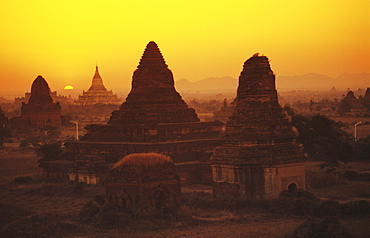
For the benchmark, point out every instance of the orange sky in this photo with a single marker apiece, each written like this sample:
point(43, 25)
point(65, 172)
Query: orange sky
point(63, 40)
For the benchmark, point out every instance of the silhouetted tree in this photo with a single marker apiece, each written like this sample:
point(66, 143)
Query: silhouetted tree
point(362, 148)
point(323, 139)
point(48, 134)
point(344, 107)
point(4, 133)
point(50, 151)
point(311, 105)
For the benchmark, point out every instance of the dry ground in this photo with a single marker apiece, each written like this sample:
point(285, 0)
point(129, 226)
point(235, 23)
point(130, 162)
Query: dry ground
point(17, 162)
point(58, 202)
point(348, 190)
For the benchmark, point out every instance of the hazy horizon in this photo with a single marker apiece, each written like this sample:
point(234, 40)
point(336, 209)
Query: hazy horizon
point(199, 85)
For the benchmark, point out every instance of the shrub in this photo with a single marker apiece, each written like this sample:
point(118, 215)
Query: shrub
point(355, 209)
point(327, 227)
point(50, 151)
point(318, 178)
point(294, 206)
point(109, 217)
point(22, 180)
point(88, 211)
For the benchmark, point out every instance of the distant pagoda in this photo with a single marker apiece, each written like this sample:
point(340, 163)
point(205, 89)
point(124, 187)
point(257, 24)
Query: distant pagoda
point(97, 93)
point(259, 156)
point(41, 110)
point(154, 118)
point(351, 99)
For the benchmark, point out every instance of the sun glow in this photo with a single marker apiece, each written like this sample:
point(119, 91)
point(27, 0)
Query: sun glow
point(68, 87)
point(63, 40)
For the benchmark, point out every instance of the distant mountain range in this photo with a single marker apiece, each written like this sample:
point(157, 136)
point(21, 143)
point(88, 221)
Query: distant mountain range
point(310, 81)
point(320, 81)
point(208, 84)
point(4, 100)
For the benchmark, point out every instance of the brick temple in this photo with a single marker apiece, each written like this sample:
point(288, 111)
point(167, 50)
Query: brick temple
point(97, 93)
point(40, 110)
point(259, 157)
point(143, 183)
point(154, 118)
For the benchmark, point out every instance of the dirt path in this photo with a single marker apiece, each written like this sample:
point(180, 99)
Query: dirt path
point(246, 228)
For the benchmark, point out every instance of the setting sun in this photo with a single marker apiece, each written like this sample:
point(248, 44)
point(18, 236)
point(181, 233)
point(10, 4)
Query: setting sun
point(68, 87)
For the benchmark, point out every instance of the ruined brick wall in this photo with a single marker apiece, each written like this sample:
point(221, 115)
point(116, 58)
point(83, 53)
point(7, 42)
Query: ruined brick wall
point(143, 182)
point(148, 196)
point(288, 174)
point(194, 172)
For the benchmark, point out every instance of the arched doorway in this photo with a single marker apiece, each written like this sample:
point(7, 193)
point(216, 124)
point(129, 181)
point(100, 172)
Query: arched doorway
point(292, 188)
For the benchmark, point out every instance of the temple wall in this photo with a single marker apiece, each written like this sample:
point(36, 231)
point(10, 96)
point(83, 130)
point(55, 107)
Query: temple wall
point(249, 180)
point(43, 119)
point(87, 178)
point(194, 172)
point(288, 174)
point(144, 196)
point(152, 132)
point(191, 157)
point(257, 182)
point(181, 151)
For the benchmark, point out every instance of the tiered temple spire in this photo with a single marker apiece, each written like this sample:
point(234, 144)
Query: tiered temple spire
point(152, 57)
point(97, 93)
point(153, 97)
point(154, 118)
point(97, 81)
point(259, 157)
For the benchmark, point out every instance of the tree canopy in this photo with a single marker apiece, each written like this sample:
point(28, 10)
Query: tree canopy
point(50, 151)
point(323, 139)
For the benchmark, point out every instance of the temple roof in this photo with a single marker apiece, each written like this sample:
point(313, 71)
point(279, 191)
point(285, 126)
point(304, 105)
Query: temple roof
point(97, 93)
point(258, 132)
point(255, 79)
point(143, 167)
point(152, 57)
point(257, 63)
point(143, 160)
point(97, 81)
point(40, 91)
point(350, 96)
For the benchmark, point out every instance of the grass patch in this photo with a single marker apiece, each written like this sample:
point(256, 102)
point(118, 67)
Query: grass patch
point(318, 178)
point(304, 206)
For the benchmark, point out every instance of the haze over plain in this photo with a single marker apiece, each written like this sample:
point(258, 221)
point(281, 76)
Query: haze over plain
point(64, 40)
